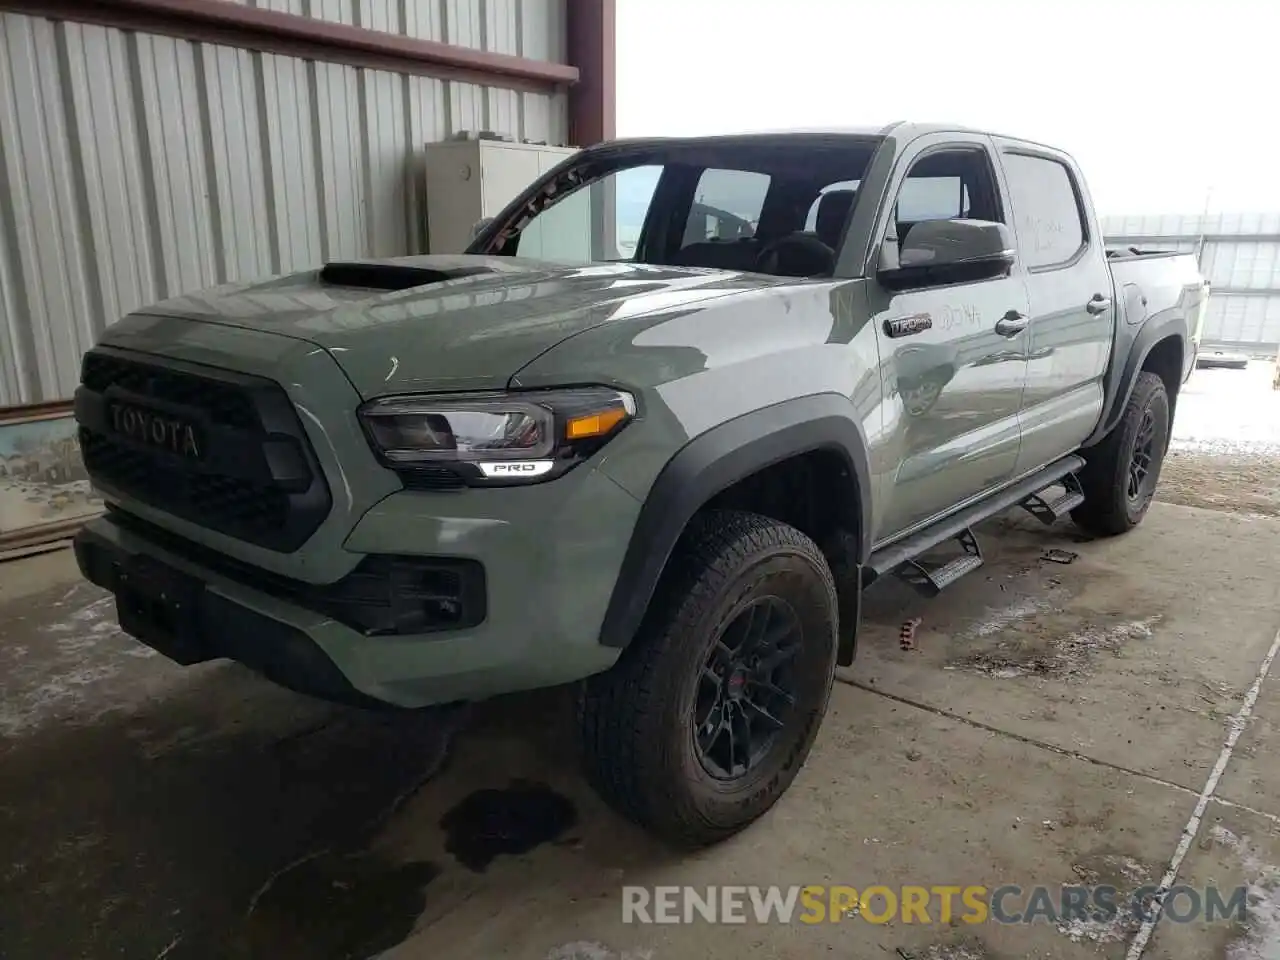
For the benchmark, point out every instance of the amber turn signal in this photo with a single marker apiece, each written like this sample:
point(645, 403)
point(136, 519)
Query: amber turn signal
point(595, 424)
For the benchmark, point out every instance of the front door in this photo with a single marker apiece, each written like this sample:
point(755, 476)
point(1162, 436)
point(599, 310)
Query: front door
point(952, 382)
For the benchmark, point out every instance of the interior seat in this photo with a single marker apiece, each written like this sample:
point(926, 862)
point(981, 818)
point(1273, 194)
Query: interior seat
point(797, 255)
point(718, 255)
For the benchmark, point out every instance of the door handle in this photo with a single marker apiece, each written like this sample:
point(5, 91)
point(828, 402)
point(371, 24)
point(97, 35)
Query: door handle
point(1098, 304)
point(1012, 324)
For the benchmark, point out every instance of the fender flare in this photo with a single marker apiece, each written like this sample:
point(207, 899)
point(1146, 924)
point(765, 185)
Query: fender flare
point(1152, 332)
point(714, 461)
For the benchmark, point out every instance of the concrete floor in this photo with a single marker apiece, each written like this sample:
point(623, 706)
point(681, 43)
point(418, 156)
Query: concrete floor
point(1057, 723)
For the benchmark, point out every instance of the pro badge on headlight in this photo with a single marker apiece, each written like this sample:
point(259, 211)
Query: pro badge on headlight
point(516, 468)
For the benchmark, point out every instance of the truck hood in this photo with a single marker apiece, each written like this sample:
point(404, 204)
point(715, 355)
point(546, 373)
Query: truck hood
point(448, 322)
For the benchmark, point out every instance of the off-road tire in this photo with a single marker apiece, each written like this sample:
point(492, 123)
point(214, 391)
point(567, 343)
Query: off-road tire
point(1108, 509)
point(636, 718)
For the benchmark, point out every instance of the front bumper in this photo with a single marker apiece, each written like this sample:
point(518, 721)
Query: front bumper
point(550, 554)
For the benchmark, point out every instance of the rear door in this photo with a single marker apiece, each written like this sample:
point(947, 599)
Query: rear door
point(1070, 288)
point(953, 384)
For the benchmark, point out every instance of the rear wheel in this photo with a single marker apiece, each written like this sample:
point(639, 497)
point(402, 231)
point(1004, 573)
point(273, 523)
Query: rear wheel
point(1121, 473)
point(711, 711)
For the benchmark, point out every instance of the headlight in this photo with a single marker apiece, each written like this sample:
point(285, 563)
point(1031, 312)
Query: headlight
point(494, 439)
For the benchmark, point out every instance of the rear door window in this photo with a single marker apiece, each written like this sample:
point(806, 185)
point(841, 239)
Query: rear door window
point(1046, 210)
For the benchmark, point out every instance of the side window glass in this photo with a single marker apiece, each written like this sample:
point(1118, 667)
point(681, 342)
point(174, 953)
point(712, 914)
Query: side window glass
point(932, 198)
point(726, 205)
point(1046, 209)
point(947, 185)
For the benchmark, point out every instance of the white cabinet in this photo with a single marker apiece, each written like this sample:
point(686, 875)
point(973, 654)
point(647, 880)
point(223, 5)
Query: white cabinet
point(471, 179)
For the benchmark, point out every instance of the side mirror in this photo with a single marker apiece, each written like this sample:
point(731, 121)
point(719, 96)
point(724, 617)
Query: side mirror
point(938, 252)
point(480, 225)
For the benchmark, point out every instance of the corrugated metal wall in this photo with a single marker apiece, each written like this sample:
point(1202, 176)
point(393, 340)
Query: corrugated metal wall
point(1239, 254)
point(135, 167)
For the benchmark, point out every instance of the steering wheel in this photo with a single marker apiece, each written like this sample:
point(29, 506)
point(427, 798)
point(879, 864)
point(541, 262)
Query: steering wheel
point(796, 255)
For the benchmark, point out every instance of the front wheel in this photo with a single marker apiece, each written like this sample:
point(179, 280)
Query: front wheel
point(1121, 473)
point(709, 714)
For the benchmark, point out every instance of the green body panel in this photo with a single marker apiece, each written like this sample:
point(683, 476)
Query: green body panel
point(469, 333)
point(695, 368)
point(551, 552)
point(952, 394)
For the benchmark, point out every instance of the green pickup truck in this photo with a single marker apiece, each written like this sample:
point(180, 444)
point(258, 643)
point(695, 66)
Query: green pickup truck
point(665, 477)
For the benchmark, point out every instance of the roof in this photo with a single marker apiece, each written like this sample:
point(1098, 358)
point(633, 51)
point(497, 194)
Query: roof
point(902, 130)
point(898, 128)
point(718, 139)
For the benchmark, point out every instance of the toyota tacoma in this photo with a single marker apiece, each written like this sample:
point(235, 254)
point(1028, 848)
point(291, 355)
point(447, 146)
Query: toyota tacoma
point(623, 443)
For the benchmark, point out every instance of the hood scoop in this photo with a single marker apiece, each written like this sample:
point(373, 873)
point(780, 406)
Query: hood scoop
point(392, 276)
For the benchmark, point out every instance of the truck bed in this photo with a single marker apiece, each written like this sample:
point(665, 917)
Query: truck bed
point(1153, 282)
point(1150, 281)
point(1138, 253)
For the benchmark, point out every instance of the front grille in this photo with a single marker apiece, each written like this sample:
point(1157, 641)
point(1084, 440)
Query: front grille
point(236, 503)
point(252, 475)
point(223, 403)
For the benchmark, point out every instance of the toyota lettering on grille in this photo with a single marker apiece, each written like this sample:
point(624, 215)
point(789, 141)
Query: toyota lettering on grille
point(156, 430)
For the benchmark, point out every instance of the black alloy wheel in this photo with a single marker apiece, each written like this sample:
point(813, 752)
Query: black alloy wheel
point(1140, 462)
point(747, 689)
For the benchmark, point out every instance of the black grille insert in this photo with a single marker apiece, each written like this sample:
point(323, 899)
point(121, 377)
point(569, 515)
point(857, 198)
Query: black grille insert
point(222, 402)
point(246, 470)
point(432, 478)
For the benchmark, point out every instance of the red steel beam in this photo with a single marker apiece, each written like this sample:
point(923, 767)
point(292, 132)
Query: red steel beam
point(592, 48)
point(230, 24)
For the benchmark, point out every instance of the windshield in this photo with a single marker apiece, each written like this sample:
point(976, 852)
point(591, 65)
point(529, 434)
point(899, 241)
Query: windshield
point(779, 209)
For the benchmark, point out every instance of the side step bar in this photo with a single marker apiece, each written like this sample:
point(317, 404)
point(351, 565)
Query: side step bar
point(930, 580)
point(1050, 512)
point(893, 556)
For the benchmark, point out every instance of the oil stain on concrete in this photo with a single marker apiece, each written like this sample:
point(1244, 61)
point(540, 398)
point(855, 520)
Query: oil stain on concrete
point(336, 907)
point(511, 821)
